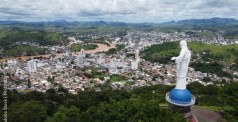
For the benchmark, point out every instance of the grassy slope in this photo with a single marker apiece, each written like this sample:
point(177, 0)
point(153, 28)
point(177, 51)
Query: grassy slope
point(222, 50)
point(116, 78)
point(165, 51)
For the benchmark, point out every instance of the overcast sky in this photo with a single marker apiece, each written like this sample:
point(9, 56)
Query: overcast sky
point(116, 10)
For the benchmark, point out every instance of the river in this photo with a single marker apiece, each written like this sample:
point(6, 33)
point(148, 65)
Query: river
point(100, 48)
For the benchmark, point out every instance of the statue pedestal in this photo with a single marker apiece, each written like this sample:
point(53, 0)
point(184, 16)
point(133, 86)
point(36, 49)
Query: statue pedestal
point(180, 97)
point(181, 100)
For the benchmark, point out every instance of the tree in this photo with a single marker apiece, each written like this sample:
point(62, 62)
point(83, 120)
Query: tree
point(65, 114)
point(27, 112)
point(130, 110)
point(29, 83)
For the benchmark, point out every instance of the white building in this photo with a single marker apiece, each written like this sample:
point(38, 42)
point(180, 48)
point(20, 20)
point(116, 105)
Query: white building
point(134, 65)
point(82, 53)
point(100, 60)
point(31, 66)
point(80, 60)
point(113, 70)
point(12, 62)
point(137, 55)
point(68, 54)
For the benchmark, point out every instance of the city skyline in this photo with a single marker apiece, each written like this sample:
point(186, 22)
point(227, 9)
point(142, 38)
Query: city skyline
point(132, 11)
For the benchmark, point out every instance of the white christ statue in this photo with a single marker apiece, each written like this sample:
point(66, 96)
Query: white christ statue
point(182, 62)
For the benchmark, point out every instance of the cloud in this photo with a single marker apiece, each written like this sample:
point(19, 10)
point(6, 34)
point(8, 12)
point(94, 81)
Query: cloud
point(116, 10)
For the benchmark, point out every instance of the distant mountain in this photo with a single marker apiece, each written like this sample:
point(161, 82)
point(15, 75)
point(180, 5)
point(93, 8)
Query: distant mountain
point(8, 22)
point(227, 25)
point(65, 23)
point(211, 21)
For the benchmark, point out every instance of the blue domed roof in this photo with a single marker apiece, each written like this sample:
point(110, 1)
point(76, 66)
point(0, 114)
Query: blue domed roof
point(180, 96)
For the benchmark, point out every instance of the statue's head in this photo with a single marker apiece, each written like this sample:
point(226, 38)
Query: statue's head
point(183, 44)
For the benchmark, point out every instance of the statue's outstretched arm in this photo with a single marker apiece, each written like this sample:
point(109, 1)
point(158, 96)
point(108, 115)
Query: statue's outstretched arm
point(180, 57)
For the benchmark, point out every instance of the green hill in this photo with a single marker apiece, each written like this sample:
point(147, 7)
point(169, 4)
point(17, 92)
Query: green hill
point(164, 52)
point(43, 38)
point(22, 50)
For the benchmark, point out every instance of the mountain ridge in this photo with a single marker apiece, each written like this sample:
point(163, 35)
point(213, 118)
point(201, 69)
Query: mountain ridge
point(215, 20)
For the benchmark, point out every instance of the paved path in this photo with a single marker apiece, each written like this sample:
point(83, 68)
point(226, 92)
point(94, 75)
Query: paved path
point(205, 115)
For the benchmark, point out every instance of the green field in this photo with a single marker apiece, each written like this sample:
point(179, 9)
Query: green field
point(116, 78)
point(206, 34)
point(115, 50)
point(78, 47)
point(228, 53)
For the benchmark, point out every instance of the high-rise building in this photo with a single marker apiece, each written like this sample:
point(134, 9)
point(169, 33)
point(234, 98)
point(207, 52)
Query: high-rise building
point(31, 66)
point(82, 53)
point(137, 55)
point(68, 54)
point(100, 60)
point(80, 60)
point(135, 62)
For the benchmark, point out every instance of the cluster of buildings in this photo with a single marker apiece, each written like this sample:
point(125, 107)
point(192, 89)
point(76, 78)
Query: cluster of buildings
point(66, 71)
point(150, 38)
point(69, 71)
point(72, 71)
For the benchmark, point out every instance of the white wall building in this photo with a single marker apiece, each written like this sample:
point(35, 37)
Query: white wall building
point(12, 62)
point(100, 60)
point(31, 66)
point(134, 65)
point(68, 54)
point(80, 60)
point(82, 53)
point(137, 55)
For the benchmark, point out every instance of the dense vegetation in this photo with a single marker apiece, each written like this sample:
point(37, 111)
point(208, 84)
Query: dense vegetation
point(115, 105)
point(107, 105)
point(161, 52)
point(78, 47)
point(213, 68)
point(41, 37)
point(22, 50)
point(115, 50)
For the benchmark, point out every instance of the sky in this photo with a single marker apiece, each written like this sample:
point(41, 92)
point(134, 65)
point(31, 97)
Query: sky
point(132, 11)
